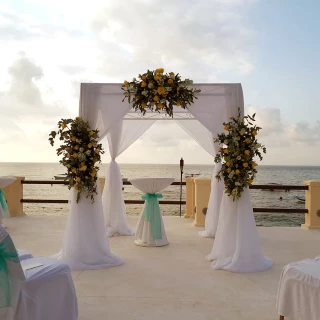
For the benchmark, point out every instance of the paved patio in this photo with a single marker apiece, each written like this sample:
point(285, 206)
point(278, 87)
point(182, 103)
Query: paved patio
point(172, 282)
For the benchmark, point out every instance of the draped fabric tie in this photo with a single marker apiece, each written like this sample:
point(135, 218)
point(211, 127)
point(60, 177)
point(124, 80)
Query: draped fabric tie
point(7, 252)
point(152, 213)
point(3, 204)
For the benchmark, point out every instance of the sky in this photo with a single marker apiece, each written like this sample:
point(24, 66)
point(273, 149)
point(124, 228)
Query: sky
point(271, 47)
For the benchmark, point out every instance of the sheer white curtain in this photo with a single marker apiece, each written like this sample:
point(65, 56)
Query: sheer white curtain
point(205, 139)
point(215, 105)
point(122, 134)
point(85, 244)
point(237, 245)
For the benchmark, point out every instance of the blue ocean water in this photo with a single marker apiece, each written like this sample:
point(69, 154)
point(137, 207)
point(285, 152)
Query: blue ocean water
point(292, 175)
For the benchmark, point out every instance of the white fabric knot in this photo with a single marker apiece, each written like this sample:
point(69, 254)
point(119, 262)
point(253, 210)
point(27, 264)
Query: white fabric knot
point(113, 159)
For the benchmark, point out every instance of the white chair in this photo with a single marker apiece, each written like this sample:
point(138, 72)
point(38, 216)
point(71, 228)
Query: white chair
point(299, 290)
point(34, 292)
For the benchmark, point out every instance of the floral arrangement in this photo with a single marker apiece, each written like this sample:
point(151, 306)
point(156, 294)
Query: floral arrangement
point(240, 146)
point(81, 154)
point(156, 90)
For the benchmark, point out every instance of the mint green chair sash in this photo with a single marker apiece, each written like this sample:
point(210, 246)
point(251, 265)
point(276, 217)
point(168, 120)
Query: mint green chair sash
point(3, 204)
point(152, 213)
point(7, 252)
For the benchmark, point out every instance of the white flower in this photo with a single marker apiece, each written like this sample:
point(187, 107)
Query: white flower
point(134, 79)
point(150, 85)
point(242, 131)
point(81, 150)
point(225, 142)
point(238, 158)
point(88, 152)
point(145, 93)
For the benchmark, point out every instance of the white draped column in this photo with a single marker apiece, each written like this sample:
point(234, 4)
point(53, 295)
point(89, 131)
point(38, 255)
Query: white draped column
point(122, 134)
point(205, 139)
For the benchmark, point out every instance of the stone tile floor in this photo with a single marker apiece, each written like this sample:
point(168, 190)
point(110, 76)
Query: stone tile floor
point(172, 282)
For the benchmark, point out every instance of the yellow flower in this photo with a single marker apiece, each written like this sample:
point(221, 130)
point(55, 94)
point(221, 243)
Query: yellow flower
point(248, 140)
point(254, 164)
point(156, 98)
point(171, 74)
point(228, 164)
point(178, 104)
point(63, 125)
point(75, 155)
point(170, 81)
point(83, 168)
point(93, 173)
point(161, 90)
point(73, 138)
point(156, 77)
point(220, 149)
point(245, 164)
point(178, 89)
point(143, 84)
point(226, 127)
point(126, 83)
point(237, 171)
point(91, 133)
point(76, 187)
point(254, 132)
point(78, 179)
point(144, 78)
point(229, 170)
point(78, 118)
point(97, 151)
point(76, 148)
point(74, 170)
point(250, 181)
point(143, 105)
point(238, 137)
point(159, 70)
point(159, 106)
point(90, 145)
point(226, 150)
point(69, 149)
point(247, 152)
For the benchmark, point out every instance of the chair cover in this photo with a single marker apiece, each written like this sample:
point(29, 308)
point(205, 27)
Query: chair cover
point(299, 290)
point(45, 292)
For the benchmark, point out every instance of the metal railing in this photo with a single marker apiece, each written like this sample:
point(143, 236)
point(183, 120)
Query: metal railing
point(176, 202)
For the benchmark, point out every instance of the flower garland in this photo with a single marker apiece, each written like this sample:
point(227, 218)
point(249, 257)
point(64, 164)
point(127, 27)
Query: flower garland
point(81, 152)
point(158, 91)
point(240, 147)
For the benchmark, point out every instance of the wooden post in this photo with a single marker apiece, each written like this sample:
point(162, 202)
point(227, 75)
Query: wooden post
point(312, 218)
point(13, 194)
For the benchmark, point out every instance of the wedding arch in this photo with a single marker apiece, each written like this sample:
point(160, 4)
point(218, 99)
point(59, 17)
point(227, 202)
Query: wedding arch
point(101, 105)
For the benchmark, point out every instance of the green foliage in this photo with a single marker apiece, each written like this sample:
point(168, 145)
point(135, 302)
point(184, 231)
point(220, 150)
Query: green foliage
point(80, 152)
point(239, 147)
point(157, 91)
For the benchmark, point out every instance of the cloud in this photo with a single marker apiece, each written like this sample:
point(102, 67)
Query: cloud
point(203, 36)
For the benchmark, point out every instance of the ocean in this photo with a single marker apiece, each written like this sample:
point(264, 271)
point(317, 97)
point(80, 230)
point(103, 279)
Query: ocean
point(291, 175)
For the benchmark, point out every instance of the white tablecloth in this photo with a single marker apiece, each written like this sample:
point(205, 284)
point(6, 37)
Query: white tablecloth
point(143, 230)
point(5, 181)
point(299, 290)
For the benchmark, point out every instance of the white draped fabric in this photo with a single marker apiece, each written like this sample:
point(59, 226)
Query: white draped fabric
point(143, 230)
point(85, 244)
point(299, 290)
point(237, 245)
point(205, 139)
point(120, 137)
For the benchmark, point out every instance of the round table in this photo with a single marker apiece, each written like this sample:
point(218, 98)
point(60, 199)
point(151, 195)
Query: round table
point(150, 228)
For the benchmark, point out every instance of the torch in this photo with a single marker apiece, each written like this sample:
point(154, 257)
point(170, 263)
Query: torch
point(181, 173)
